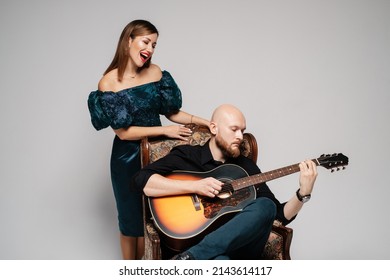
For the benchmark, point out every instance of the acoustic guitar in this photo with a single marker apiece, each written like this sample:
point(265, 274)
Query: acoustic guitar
point(184, 219)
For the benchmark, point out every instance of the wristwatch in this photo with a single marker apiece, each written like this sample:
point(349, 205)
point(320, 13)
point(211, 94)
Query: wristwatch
point(303, 198)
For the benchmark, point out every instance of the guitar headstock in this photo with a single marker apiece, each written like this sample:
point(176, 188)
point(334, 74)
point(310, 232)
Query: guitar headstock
point(333, 161)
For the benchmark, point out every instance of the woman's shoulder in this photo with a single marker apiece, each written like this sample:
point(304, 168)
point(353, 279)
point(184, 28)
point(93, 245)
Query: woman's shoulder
point(154, 68)
point(107, 82)
point(156, 73)
point(153, 72)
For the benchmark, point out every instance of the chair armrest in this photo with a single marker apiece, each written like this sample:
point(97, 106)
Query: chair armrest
point(152, 243)
point(279, 243)
point(152, 239)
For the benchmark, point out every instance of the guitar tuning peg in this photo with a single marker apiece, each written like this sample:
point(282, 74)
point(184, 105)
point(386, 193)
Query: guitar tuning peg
point(337, 169)
point(344, 167)
point(332, 170)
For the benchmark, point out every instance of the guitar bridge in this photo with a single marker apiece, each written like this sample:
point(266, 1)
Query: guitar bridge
point(196, 202)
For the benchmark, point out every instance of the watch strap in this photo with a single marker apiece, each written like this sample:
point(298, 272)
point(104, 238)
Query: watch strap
point(303, 198)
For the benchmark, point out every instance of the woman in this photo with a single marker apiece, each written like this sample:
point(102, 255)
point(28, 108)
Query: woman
point(130, 98)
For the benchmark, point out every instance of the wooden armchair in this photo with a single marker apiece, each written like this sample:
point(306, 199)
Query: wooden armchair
point(278, 245)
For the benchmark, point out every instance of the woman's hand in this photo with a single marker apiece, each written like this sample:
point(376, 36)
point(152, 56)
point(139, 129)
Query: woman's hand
point(177, 131)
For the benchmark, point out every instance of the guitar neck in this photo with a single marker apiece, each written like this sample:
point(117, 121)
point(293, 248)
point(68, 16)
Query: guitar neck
point(266, 176)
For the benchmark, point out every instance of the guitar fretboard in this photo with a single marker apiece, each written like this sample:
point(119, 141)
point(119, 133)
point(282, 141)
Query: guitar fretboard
point(265, 177)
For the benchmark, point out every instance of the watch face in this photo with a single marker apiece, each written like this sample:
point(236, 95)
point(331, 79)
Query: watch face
point(305, 199)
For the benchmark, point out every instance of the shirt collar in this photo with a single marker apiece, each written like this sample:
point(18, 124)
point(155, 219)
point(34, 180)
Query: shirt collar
point(206, 155)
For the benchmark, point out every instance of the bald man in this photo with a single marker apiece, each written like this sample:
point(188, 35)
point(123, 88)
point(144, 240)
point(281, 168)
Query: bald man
point(245, 233)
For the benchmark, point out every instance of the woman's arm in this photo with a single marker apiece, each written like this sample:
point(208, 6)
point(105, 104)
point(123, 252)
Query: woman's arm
point(184, 118)
point(138, 132)
point(172, 131)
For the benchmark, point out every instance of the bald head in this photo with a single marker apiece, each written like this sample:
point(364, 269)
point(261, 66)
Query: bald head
point(227, 112)
point(227, 127)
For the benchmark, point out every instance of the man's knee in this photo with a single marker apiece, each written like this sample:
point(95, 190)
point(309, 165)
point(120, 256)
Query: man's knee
point(266, 208)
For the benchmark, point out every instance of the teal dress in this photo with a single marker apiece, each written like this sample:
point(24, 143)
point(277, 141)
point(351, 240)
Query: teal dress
point(137, 106)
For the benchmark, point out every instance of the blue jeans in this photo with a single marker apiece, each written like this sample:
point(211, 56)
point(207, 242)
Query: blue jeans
point(243, 237)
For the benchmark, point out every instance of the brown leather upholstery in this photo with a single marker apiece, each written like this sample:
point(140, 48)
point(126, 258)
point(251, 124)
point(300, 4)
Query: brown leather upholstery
point(278, 245)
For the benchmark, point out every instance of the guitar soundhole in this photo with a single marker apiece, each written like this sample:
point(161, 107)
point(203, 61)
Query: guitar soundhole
point(226, 191)
point(227, 199)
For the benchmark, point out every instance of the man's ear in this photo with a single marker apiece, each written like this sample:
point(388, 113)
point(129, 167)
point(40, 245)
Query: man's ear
point(213, 128)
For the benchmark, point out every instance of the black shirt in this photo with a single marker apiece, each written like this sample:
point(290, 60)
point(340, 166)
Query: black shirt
point(199, 158)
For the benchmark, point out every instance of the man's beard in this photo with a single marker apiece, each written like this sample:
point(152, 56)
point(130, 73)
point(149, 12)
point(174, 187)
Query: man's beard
point(226, 149)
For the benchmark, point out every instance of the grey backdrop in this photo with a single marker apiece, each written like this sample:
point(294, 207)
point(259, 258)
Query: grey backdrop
point(311, 76)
